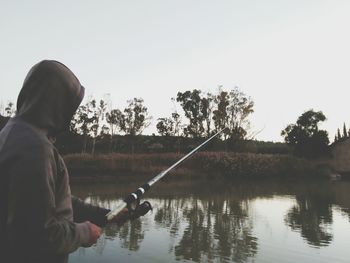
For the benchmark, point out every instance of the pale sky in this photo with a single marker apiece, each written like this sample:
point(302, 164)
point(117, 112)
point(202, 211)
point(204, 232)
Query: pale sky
point(287, 55)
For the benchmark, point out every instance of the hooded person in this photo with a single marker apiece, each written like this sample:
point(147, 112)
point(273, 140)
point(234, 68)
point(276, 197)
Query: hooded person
point(36, 206)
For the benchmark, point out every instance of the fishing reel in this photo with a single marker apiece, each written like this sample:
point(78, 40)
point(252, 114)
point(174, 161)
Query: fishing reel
point(137, 209)
point(129, 209)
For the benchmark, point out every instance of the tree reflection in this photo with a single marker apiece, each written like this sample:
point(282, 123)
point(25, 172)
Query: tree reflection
point(169, 215)
point(215, 229)
point(234, 231)
point(131, 235)
point(312, 216)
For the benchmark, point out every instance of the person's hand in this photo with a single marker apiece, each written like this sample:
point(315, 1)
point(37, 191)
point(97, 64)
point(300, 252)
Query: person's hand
point(121, 217)
point(124, 215)
point(95, 233)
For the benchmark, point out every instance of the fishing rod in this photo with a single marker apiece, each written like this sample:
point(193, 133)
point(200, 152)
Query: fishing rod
point(135, 196)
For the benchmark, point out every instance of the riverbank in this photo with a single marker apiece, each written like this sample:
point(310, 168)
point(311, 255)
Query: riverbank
point(209, 165)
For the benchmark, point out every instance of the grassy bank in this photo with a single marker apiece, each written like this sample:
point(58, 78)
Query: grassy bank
point(206, 164)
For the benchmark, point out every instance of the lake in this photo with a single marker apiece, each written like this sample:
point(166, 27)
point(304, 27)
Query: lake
point(209, 221)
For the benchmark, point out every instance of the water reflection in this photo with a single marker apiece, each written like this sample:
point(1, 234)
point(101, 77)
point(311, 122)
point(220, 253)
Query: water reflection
point(214, 229)
point(208, 227)
point(206, 230)
point(217, 229)
point(313, 217)
point(169, 214)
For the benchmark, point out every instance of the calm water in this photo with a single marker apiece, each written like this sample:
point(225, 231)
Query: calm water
point(236, 222)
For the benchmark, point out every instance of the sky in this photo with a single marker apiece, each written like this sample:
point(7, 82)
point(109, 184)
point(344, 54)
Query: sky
point(289, 56)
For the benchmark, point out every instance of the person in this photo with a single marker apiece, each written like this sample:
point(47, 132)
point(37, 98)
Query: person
point(39, 219)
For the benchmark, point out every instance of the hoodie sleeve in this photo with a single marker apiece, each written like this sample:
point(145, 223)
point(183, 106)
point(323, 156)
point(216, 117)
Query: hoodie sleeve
point(40, 209)
point(87, 212)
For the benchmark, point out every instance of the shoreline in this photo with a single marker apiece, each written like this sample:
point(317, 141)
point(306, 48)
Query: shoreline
point(208, 165)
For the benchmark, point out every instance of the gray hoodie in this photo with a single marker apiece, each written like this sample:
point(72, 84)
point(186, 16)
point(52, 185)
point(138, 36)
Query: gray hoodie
point(36, 207)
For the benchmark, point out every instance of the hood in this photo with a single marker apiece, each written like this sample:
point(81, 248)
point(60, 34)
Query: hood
point(50, 95)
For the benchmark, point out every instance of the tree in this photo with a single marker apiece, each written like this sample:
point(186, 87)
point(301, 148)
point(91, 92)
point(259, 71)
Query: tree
point(177, 123)
point(239, 108)
point(87, 122)
point(104, 132)
point(94, 123)
point(81, 123)
point(345, 132)
point(305, 136)
point(134, 119)
point(207, 111)
point(165, 126)
point(114, 119)
point(232, 110)
point(339, 135)
point(192, 105)
point(95, 117)
point(177, 119)
point(169, 126)
point(220, 115)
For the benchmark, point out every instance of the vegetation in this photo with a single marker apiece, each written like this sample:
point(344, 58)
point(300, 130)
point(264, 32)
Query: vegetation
point(340, 137)
point(72, 143)
point(210, 113)
point(99, 129)
point(230, 165)
point(169, 126)
point(101, 139)
point(305, 136)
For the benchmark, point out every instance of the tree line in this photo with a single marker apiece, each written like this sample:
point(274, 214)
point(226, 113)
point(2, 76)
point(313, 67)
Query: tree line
point(202, 114)
point(205, 114)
